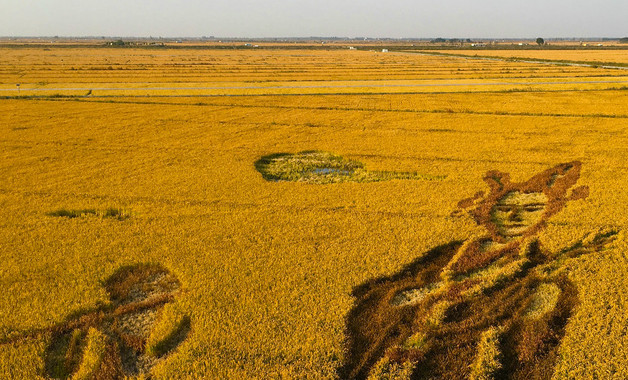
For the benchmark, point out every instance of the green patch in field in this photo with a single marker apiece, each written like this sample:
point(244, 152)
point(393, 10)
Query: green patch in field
point(323, 168)
point(77, 213)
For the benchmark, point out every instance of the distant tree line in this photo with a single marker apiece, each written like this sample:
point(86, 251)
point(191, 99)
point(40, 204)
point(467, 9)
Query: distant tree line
point(450, 40)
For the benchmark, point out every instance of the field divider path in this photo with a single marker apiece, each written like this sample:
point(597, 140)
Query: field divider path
point(213, 88)
point(103, 99)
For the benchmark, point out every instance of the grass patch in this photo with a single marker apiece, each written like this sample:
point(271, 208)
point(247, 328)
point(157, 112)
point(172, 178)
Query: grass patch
point(114, 213)
point(323, 168)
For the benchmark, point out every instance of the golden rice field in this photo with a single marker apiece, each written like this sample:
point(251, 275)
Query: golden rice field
point(593, 56)
point(114, 158)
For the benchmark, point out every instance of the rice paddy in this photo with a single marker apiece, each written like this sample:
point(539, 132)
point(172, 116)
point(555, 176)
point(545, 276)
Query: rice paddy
point(275, 201)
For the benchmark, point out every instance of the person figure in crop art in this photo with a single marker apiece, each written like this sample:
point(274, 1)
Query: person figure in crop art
point(113, 342)
point(491, 307)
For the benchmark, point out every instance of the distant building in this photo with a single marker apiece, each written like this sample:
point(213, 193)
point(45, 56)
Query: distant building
point(384, 50)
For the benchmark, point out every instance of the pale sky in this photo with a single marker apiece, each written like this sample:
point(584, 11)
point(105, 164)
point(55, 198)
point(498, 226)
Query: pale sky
point(303, 18)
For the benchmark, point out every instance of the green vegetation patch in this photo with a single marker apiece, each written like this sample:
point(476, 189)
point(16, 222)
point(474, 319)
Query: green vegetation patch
point(77, 213)
point(324, 167)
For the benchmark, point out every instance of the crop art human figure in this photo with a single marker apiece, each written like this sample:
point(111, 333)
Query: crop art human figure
point(112, 342)
point(491, 307)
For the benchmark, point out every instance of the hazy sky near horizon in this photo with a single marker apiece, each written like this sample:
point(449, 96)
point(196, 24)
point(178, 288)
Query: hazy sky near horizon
point(301, 18)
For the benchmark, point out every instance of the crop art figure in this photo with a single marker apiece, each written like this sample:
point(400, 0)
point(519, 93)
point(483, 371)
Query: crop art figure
point(492, 307)
point(115, 342)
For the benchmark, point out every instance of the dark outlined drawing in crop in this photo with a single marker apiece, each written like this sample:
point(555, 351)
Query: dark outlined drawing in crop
point(494, 307)
point(120, 341)
point(125, 338)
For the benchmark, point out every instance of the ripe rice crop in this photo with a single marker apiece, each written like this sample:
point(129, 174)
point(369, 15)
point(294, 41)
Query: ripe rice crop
point(268, 269)
point(593, 56)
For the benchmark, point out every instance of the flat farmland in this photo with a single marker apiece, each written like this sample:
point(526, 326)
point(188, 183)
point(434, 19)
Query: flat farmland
point(608, 56)
point(171, 140)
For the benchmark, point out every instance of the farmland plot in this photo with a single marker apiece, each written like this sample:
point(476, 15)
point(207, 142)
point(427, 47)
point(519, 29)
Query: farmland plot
point(195, 164)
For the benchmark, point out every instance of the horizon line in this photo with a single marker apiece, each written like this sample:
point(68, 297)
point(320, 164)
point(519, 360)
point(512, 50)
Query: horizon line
point(309, 38)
